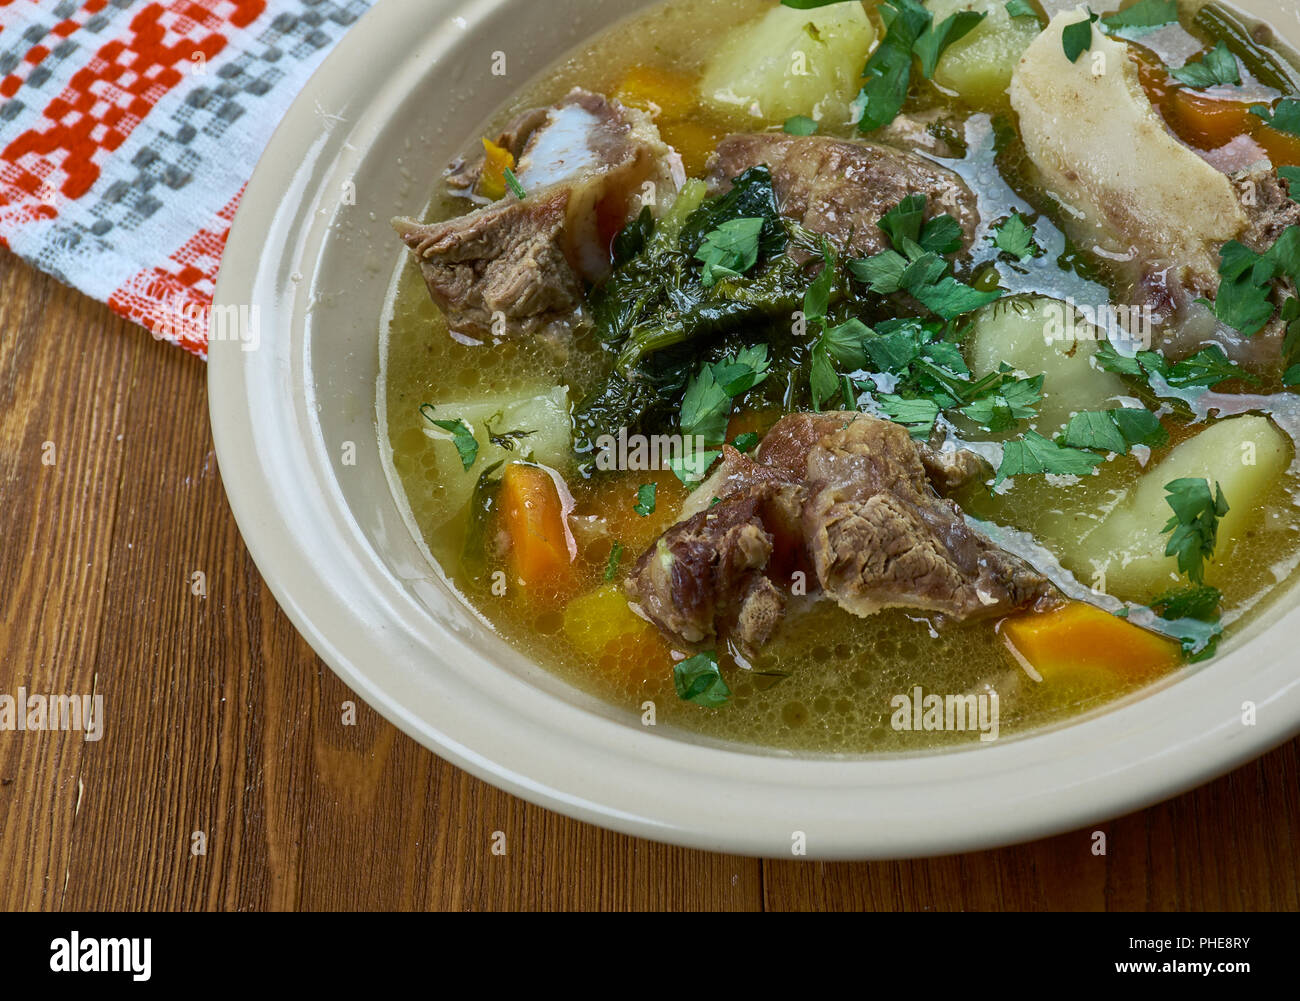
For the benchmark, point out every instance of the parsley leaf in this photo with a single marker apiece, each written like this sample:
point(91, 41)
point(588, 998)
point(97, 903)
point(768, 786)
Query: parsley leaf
point(1189, 603)
point(1006, 406)
point(512, 182)
point(822, 377)
point(1034, 454)
point(904, 221)
point(1016, 237)
point(949, 299)
point(1077, 38)
point(706, 405)
point(645, 499)
point(889, 70)
point(883, 273)
point(917, 415)
point(615, 557)
point(730, 250)
point(942, 235)
point(800, 125)
point(1143, 16)
point(1112, 361)
point(1195, 524)
point(937, 37)
point(1021, 8)
point(697, 679)
point(845, 343)
point(463, 438)
point(1115, 430)
point(746, 442)
point(1285, 117)
point(1216, 68)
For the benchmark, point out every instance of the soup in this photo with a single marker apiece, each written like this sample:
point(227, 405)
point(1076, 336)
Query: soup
point(841, 409)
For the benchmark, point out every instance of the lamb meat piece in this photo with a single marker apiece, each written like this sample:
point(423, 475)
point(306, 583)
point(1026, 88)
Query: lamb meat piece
point(708, 576)
point(583, 171)
point(848, 499)
point(880, 538)
point(840, 189)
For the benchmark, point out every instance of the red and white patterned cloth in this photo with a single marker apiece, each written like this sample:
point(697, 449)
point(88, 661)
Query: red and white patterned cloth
point(128, 130)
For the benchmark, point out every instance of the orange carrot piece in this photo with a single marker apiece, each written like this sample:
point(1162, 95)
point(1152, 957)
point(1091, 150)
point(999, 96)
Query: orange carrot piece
point(492, 181)
point(651, 87)
point(1079, 642)
point(542, 549)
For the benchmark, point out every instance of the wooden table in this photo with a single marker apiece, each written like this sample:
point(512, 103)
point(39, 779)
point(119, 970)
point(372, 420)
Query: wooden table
point(220, 719)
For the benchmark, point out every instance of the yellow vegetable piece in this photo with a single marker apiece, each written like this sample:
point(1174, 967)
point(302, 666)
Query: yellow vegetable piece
point(492, 181)
point(624, 646)
point(694, 142)
point(1081, 646)
point(653, 89)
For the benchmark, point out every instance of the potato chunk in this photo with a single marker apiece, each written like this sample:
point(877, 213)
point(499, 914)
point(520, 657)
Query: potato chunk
point(1244, 455)
point(791, 62)
point(1123, 182)
point(979, 66)
point(1027, 333)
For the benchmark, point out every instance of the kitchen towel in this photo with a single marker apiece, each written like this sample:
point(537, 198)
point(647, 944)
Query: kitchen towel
point(128, 130)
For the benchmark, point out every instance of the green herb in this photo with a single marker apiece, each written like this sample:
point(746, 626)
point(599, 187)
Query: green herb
point(1016, 237)
point(615, 557)
point(1021, 8)
point(730, 250)
point(1285, 117)
point(937, 37)
point(800, 125)
point(883, 273)
point(461, 436)
point(1112, 361)
point(513, 184)
point(698, 680)
point(905, 224)
point(846, 343)
point(745, 442)
point(1207, 368)
point(823, 379)
point(1142, 17)
point(1195, 524)
point(917, 415)
point(1189, 603)
point(1009, 404)
point(942, 235)
point(1218, 67)
point(1291, 175)
point(889, 70)
point(633, 237)
point(949, 299)
point(645, 500)
point(1077, 38)
point(1115, 430)
point(1034, 454)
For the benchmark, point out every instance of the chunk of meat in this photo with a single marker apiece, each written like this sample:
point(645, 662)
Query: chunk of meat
point(463, 173)
point(848, 499)
point(840, 189)
point(583, 170)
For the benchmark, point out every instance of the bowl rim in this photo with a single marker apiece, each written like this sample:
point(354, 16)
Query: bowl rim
point(434, 686)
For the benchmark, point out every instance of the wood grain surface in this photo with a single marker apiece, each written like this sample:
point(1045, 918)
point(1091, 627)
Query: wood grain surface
point(220, 719)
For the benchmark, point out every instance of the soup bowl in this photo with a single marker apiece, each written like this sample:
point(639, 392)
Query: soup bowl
point(311, 259)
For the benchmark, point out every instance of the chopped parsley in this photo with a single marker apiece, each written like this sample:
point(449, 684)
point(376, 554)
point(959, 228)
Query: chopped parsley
point(512, 182)
point(645, 500)
point(1021, 8)
point(1285, 117)
point(937, 37)
point(461, 436)
point(1006, 406)
point(730, 250)
point(1216, 68)
point(917, 415)
point(1014, 236)
point(1033, 454)
point(1144, 16)
point(745, 442)
point(888, 72)
point(1195, 524)
point(1115, 430)
point(697, 679)
point(1077, 38)
point(800, 125)
point(615, 558)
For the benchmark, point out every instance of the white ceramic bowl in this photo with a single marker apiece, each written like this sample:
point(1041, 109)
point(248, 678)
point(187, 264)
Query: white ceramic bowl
point(389, 106)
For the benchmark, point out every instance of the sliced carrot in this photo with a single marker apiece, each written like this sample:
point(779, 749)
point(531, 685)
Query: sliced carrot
point(541, 547)
point(1283, 149)
point(492, 180)
point(1079, 644)
point(668, 93)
